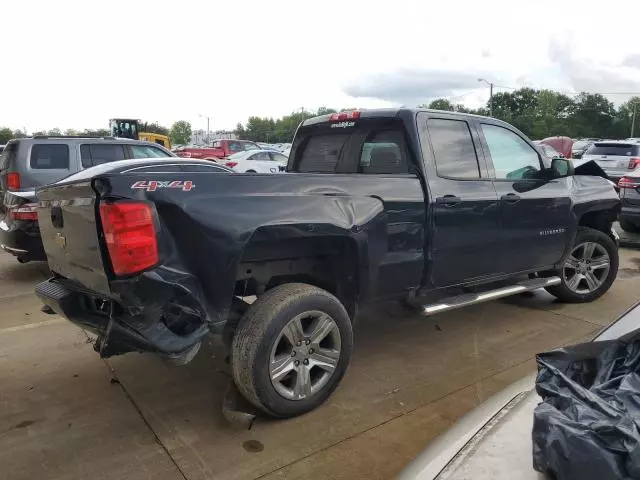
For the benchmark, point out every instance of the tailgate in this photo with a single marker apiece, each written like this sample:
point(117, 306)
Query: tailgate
point(69, 230)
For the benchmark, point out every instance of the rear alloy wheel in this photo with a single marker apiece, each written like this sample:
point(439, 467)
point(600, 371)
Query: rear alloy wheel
point(291, 349)
point(589, 269)
point(629, 227)
point(305, 355)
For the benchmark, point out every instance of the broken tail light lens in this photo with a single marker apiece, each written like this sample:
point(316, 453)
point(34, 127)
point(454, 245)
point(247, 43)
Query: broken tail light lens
point(13, 181)
point(130, 235)
point(628, 182)
point(26, 211)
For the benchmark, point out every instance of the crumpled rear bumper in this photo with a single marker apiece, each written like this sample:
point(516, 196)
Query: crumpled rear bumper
point(118, 332)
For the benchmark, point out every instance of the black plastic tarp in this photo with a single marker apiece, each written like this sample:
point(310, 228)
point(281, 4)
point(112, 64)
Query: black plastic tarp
point(588, 424)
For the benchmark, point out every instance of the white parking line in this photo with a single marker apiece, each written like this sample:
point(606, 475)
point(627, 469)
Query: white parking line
point(19, 328)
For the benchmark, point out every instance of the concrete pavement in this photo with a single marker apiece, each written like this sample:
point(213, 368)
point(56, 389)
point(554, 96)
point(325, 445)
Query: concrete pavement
point(67, 414)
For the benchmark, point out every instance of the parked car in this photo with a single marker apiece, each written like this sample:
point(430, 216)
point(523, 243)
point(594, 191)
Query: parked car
point(579, 147)
point(560, 144)
point(220, 149)
point(616, 158)
point(548, 151)
point(494, 440)
point(379, 204)
point(261, 161)
point(629, 217)
point(28, 163)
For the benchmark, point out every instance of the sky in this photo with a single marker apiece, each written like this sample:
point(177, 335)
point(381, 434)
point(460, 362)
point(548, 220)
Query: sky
point(76, 64)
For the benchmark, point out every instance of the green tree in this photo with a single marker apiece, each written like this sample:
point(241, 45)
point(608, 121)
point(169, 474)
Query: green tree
point(54, 132)
point(180, 132)
point(441, 104)
point(71, 132)
point(6, 134)
point(153, 128)
point(19, 133)
point(591, 115)
point(623, 121)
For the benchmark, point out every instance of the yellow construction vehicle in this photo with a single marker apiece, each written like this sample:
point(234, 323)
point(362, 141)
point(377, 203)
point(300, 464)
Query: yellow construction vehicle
point(130, 128)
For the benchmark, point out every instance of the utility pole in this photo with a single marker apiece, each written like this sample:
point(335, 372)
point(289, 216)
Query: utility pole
point(490, 94)
point(633, 121)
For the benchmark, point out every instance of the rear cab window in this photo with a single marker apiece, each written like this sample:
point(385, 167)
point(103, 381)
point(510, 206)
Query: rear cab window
point(613, 149)
point(369, 146)
point(49, 156)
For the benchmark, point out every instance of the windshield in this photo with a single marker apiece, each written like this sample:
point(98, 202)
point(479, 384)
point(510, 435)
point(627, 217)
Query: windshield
point(613, 149)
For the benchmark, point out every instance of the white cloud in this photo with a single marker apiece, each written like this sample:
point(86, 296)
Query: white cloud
point(77, 63)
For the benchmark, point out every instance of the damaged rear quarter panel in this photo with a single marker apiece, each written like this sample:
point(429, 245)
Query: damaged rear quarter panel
point(204, 231)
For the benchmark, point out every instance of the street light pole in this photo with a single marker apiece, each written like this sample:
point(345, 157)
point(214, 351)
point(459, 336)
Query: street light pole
point(490, 94)
point(633, 121)
point(208, 136)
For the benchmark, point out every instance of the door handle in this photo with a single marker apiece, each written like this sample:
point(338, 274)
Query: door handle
point(448, 200)
point(510, 198)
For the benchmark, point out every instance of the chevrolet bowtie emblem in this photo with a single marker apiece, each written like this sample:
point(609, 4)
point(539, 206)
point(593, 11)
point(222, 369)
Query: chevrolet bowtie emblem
point(61, 240)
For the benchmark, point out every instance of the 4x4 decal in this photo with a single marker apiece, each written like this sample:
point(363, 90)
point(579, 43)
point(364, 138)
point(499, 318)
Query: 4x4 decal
point(153, 185)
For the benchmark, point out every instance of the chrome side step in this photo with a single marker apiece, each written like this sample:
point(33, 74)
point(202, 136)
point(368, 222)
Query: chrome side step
point(470, 298)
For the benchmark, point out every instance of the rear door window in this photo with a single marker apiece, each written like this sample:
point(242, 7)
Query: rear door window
point(454, 152)
point(147, 151)
point(96, 154)
point(264, 156)
point(49, 156)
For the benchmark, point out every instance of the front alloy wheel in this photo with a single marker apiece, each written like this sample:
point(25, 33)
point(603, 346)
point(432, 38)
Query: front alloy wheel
point(586, 268)
point(589, 270)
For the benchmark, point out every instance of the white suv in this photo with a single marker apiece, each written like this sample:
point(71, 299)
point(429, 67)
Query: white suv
point(616, 158)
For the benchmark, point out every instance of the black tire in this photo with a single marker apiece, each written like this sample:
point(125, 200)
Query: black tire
point(261, 327)
point(250, 171)
point(628, 226)
point(585, 234)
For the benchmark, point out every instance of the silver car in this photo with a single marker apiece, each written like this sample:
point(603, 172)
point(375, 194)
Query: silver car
point(616, 158)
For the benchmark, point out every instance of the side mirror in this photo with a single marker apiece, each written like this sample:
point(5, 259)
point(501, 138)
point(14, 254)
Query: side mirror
point(562, 167)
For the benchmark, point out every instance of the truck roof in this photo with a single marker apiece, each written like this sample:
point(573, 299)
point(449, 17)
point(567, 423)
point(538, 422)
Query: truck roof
point(394, 112)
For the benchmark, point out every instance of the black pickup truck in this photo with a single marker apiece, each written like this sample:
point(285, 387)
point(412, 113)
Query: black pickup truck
point(440, 209)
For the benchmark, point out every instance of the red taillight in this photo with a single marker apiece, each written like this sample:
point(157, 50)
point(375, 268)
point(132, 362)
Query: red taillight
point(231, 164)
point(13, 181)
point(130, 236)
point(628, 182)
point(26, 211)
point(634, 162)
point(344, 116)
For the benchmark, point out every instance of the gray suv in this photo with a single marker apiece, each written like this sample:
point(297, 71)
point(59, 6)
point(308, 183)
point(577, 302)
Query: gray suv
point(28, 163)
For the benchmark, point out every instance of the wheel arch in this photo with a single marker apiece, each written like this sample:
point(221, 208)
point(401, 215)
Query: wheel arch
point(334, 263)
